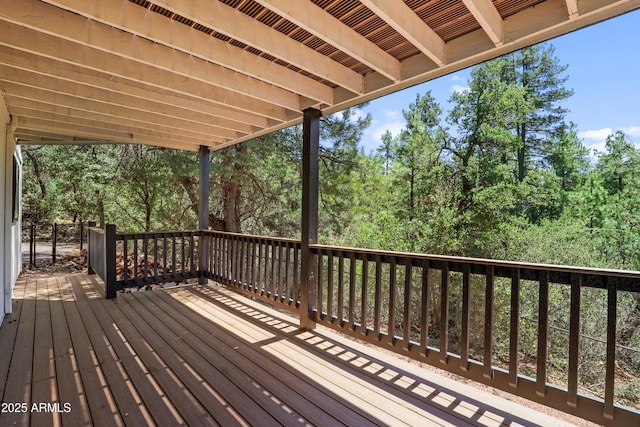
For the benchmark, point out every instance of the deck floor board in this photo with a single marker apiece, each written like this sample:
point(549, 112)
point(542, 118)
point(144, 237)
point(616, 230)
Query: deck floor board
point(206, 356)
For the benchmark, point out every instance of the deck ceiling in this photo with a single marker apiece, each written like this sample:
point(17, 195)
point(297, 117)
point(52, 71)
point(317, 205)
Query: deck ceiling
point(185, 73)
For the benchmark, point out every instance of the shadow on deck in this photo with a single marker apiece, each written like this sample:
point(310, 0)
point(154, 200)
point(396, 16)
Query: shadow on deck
point(207, 356)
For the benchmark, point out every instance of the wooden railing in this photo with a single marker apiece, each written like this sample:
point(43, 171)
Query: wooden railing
point(505, 324)
point(265, 268)
point(154, 258)
point(442, 311)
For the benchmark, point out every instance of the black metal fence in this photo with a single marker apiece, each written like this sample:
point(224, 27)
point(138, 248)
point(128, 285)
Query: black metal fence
point(43, 244)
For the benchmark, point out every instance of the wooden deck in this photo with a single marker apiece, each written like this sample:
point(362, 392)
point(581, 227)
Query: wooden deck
point(207, 356)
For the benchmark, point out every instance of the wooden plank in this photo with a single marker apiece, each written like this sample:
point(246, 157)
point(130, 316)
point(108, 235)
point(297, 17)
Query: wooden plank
point(254, 403)
point(148, 348)
point(8, 334)
point(18, 386)
point(151, 394)
point(70, 388)
point(103, 408)
point(347, 386)
point(128, 400)
point(411, 383)
point(282, 383)
point(44, 383)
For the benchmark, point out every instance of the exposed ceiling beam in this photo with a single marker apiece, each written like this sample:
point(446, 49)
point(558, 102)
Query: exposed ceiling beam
point(134, 19)
point(404, 20)
point(107, 110)
point(105, 134)
point(323, 25)
point(78, 95)
point(235, 24)
point(488, 17)
point(29, 108)
point(224, 116)
point(89, 33)
point(78, 118)
point(39, 44)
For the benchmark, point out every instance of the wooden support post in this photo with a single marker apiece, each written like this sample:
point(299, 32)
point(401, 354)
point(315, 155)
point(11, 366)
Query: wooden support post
point(110, 260)
point(310, 185)
point(203, 209)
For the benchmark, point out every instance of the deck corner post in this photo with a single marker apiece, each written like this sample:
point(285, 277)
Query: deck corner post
point(90, 225)
point(110, 260)
point(203, 209)
point(309, 225)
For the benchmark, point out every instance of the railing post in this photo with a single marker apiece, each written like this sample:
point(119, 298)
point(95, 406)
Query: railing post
point(54, 241)
point(90, 269)
point(110, 260)
point(310, 184)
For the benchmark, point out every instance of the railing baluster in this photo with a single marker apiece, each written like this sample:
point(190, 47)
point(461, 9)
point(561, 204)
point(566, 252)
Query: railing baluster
point(145, 249)
point(192, 243)
point(182, 247)
point(287, 279)
point(173, 254)
point(330, 286)
point(352, 290)
point(391, 325)
point(243, 260)
point(444, 313)
point(296, 276)
point(259, 269)
point(543, 326)
point(252, 267)
point(488, 323)
point(378, 299)
point(363, 297)
point(466, 304)
point(125, 270)
point(574, 339)
point(341, 289)
point(612, 314)
point(514, 328)
point(406, 320)
point(280, 256)
point(321, 315)
point(424, 308)
point(274, 295)
point(267, 284)
point(236, 260)
point(135, 257)
point(155, 254)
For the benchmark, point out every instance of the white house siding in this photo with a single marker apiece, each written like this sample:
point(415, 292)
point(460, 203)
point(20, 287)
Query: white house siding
point(10, 258)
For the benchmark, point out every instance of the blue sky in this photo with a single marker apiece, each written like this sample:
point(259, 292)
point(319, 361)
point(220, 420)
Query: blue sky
point(604, 70)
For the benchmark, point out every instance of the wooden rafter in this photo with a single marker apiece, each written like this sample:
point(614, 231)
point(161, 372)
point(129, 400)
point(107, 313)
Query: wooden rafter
point(404, 20)
point(316, 21)
point(229, 21)
point(488, 17)
point(184, 73)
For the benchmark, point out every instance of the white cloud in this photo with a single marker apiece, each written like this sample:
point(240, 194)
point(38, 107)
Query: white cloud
point(595, 139)
point(460, 84)
point(631, 130)
point(391, 121)
point(459, 88)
